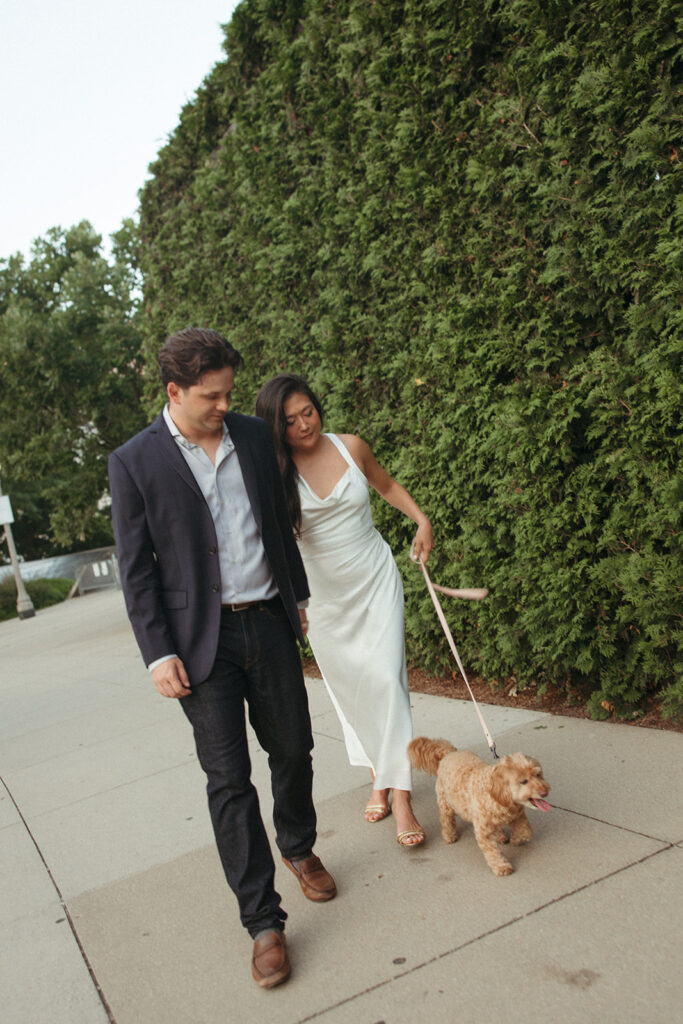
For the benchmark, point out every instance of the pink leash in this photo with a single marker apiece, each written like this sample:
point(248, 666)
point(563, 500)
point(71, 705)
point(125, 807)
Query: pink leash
point(476, 594)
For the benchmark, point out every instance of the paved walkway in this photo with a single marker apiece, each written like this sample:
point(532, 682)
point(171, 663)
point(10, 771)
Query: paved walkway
point(113, 904)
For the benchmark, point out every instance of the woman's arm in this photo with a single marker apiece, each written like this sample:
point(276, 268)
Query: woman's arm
point(392, 492)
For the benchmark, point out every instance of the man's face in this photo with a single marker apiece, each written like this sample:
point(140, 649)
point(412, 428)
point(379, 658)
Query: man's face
point(198, 411)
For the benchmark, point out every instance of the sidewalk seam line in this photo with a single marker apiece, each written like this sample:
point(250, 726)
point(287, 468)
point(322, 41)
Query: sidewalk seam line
point(102, 792)
point(485, 935)
point(611, 824)
point(65, 908)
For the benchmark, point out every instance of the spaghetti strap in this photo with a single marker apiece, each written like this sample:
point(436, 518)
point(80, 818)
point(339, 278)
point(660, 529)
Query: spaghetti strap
point(341, 447)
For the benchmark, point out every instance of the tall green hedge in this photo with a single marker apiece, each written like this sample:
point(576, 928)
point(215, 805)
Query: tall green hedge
point(461, 221)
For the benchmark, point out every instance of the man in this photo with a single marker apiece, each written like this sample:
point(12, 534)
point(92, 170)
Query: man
point(216, 591)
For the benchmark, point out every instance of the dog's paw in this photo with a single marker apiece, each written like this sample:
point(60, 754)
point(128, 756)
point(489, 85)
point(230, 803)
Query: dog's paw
point(449, 837)
point(519, 840)
point(502, 869)
point(522, 833)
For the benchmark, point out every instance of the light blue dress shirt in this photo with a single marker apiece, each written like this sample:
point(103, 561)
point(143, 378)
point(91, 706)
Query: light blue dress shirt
point(245, 573)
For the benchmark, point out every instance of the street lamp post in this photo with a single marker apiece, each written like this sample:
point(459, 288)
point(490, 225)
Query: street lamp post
point(25, 609)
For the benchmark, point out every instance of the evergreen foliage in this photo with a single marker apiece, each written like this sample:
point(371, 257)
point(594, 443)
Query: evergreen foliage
point(461, 222)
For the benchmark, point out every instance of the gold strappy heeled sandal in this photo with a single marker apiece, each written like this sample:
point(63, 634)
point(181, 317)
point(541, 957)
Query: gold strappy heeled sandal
point(381, 810)
point(407, 834)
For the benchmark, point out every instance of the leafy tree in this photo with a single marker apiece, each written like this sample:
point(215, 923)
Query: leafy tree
point(70, 365)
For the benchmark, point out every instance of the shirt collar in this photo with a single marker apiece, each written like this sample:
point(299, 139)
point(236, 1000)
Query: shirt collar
point(180, 437)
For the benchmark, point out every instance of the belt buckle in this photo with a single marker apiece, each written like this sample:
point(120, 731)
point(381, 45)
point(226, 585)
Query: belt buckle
point(240, 607)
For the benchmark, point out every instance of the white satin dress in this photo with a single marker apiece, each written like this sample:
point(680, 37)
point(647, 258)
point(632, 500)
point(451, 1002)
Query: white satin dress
point(355, 616)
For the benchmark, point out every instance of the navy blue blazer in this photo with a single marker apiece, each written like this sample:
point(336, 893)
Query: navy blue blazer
point(166, 540)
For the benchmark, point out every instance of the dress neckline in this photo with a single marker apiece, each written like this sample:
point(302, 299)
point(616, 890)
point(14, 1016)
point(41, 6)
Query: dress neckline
point(350, 464)
point(315, 493)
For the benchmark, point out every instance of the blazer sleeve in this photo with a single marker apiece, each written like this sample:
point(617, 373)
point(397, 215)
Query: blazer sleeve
point(138, 567)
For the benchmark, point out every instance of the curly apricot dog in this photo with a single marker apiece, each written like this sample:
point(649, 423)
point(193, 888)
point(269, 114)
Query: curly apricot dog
point(490, 796)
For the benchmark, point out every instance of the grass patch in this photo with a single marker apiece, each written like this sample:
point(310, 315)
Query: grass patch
point(43, 593)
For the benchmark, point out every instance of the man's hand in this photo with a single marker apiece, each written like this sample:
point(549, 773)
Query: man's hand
point(171, 679)
point(304, 620)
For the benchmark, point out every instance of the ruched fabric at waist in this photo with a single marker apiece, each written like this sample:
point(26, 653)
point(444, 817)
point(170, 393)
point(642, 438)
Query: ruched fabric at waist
point(321, 543)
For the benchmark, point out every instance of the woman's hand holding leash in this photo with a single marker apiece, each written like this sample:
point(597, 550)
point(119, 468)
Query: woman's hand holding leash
point(423, 542)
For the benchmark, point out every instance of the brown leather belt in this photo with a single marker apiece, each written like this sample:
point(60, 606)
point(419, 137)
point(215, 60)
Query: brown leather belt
point(243, 605)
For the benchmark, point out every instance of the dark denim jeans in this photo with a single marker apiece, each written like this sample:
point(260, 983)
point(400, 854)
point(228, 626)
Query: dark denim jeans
point(257, 662)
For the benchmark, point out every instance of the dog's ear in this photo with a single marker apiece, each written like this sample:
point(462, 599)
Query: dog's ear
point(500, 785)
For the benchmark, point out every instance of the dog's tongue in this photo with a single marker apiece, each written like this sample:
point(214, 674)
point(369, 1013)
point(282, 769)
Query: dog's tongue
point(542, 805)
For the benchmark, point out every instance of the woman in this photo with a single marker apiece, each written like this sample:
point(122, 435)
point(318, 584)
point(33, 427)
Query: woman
point(356, 606)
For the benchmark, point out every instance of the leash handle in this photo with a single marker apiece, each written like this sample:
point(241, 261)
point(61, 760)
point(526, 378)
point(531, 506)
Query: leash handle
point(449, 637)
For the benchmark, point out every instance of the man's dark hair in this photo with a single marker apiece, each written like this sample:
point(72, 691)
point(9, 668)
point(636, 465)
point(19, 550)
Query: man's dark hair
point(188, 354)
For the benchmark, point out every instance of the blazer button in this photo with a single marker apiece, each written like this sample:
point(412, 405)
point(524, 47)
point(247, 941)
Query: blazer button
point(215, 588)
point(212, 551)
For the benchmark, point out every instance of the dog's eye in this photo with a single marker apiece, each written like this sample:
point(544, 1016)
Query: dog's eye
point(524, 782)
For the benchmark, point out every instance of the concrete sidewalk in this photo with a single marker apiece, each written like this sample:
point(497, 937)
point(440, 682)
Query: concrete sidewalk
point(113, 904)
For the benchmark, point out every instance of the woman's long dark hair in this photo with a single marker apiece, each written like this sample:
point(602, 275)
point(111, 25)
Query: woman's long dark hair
point(270, 406)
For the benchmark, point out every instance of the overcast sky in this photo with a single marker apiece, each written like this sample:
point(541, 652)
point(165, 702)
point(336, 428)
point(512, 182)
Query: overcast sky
point(90, 90)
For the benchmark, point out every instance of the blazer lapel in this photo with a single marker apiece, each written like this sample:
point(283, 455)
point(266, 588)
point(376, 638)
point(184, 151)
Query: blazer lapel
point(168, 448)
point(247, 465)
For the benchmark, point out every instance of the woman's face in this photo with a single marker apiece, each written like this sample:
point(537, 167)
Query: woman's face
point(302, 422)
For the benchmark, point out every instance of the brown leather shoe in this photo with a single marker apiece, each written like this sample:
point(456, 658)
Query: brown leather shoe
point(269, 961)
point(316, 883)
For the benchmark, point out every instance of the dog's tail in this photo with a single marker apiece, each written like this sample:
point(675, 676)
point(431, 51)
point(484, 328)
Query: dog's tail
point(425, 754)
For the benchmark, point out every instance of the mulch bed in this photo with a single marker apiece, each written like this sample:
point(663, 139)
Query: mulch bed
point(552, 701)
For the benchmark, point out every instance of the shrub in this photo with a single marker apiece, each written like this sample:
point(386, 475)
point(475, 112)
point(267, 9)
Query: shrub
point(43, 593)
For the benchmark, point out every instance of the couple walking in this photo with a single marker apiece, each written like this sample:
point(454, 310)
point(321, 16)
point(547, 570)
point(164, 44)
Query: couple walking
point(210, 547)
